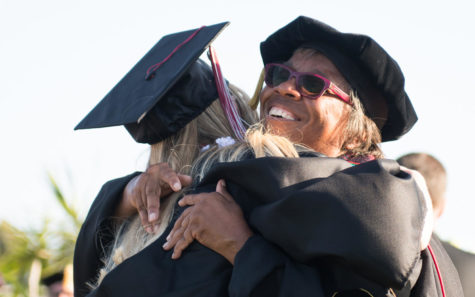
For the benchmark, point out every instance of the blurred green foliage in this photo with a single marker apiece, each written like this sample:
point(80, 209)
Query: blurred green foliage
point(51, 246)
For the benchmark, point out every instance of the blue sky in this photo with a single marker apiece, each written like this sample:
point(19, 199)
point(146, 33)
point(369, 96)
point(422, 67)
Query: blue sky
point(59, 58)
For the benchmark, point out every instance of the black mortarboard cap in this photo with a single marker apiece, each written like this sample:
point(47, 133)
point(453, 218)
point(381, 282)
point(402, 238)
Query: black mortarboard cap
point(164, 91)
point(367, 67)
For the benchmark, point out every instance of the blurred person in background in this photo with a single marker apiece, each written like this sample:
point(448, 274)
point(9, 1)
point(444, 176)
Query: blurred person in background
point(436, 179)
point(60, 284)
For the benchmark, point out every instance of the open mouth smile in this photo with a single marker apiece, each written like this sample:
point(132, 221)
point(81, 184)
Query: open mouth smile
point(280, 113)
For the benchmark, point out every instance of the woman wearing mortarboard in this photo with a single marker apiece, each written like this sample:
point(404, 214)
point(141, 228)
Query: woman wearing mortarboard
point(315, 226)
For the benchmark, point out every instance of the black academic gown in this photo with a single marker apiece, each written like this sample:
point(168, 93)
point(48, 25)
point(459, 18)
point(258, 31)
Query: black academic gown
point(465, 264)
point(321, 227)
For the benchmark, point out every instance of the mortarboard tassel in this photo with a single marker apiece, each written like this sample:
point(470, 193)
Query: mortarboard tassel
point(225, 99)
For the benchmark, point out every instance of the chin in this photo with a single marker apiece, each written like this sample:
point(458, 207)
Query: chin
point(284, 128)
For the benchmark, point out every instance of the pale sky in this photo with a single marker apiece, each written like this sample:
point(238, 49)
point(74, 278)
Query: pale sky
point(58, 59)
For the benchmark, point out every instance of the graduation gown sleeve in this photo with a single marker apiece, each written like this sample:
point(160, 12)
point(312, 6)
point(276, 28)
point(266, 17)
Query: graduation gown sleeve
point(364, 222)
point(96, 234)
point(368, 216)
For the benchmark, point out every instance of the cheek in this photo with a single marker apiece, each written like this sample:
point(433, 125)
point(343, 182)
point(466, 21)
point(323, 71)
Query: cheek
point(327, 121)
point(329, 111)
point(265, 94)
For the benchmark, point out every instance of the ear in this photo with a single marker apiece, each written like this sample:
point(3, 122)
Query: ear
point(439, 210)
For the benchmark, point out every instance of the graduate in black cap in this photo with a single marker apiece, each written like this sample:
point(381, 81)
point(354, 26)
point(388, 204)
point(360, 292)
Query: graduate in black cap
point(302, 246)
point(178, 104)
point(436, 177)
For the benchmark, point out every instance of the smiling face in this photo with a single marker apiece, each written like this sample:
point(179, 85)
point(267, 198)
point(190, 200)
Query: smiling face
point(318, 124)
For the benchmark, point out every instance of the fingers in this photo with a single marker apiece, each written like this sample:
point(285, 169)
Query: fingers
point(158, 181)
point(177, 233)
point(152, 199)
point(179, 239)
point(181, 235)
point(185, 180)
point(221, 186)
point(141, 201)
point(181, 222)
point(144, 220)
point(191, 199)
point(182, 244)
point(221, 189)
point(166, 176)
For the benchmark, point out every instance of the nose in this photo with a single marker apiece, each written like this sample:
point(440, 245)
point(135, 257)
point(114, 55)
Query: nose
point(288, 89)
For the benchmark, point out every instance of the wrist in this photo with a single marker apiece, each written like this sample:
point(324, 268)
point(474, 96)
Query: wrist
point(126, 208)
point(237, 246)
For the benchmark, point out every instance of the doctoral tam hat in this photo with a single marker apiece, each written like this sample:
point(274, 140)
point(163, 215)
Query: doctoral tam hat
point(368, 68)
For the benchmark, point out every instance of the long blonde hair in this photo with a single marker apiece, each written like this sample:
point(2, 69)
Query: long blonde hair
point(179, 151)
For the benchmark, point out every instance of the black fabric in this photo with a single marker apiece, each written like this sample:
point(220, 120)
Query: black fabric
point(428, 284)
point(367, 67)
point(343, 203)
point(187, 99)
point(465, 264)
point(306, 244)
point(96, 234)
point(56, 277)
point(155, 108)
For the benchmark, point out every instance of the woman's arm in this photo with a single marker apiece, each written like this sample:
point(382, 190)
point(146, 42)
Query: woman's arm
point(96, 234)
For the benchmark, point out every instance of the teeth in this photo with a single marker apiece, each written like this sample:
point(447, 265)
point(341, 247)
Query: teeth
point(281, 113)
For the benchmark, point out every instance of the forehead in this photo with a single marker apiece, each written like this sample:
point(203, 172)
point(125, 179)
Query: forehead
point(309, 60)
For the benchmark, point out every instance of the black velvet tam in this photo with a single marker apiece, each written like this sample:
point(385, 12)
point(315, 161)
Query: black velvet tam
point(367, 67)
point(164, 91)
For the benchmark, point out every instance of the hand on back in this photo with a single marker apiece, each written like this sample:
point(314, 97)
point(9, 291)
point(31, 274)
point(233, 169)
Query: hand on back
point(213, 219)
point(143, 193)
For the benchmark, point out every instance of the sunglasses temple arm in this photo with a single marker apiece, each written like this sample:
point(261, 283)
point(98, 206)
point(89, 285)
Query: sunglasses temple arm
point(340, 93)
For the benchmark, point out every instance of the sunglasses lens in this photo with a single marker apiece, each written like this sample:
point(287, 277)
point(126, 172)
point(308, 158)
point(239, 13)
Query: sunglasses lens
point(311, 85)
point(276, 75)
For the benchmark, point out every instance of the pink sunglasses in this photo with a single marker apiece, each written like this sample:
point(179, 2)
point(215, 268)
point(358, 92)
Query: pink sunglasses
point(310, 85)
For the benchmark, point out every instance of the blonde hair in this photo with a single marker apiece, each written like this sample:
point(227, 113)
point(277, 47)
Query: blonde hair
point(258, 143)
point(179, 151)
